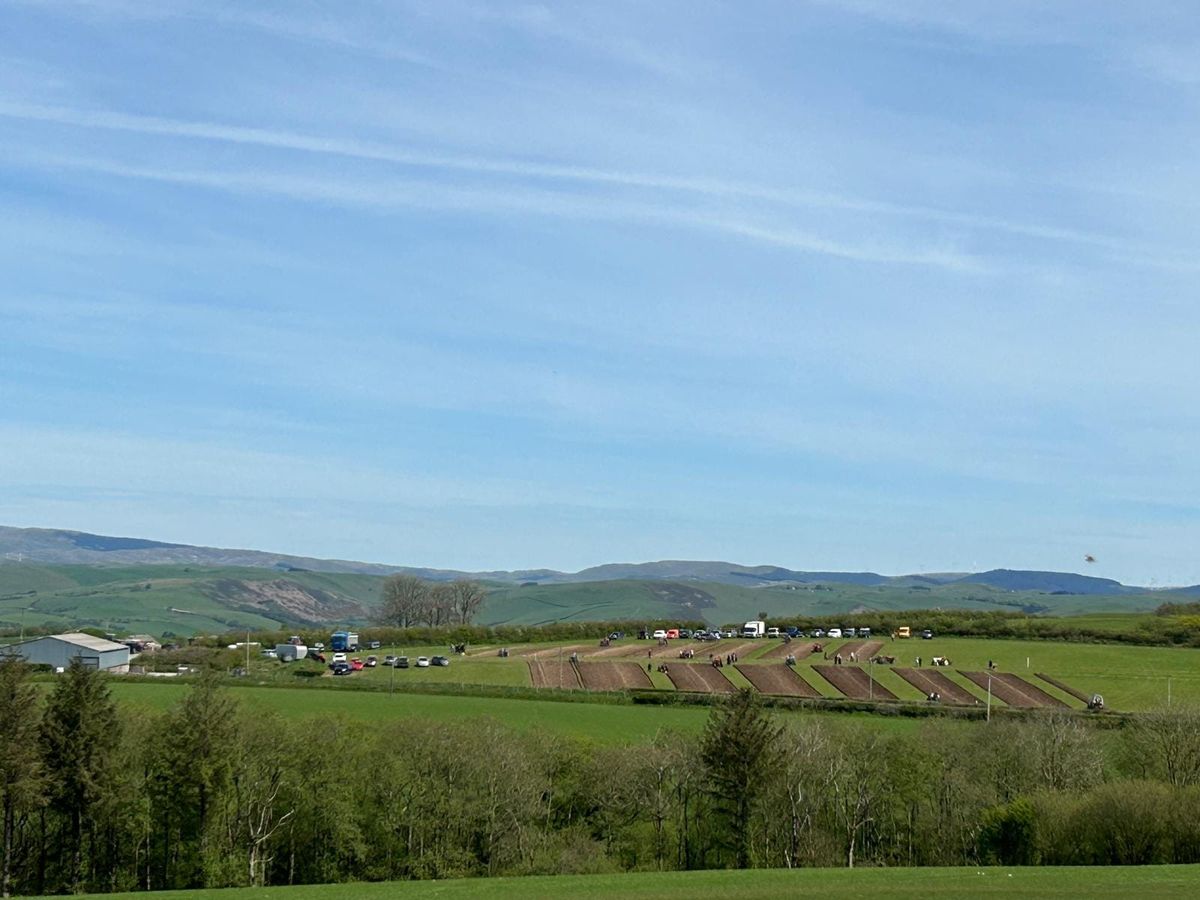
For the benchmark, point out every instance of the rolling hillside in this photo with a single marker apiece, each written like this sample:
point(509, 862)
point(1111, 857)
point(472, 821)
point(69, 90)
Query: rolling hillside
point(60, 579)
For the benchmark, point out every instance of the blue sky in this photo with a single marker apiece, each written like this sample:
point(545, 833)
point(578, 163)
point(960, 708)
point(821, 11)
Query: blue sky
point(855, 284)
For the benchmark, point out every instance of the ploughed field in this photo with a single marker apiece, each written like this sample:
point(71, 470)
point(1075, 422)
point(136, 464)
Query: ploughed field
point(1130, 678)
point(778, 679)
point(928, 681)
point(854, 682)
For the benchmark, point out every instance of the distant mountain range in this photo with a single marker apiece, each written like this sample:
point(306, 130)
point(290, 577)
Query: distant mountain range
point(61, 547)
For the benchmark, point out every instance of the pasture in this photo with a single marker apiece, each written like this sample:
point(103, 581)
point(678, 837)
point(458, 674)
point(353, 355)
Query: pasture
point(829, 884)
point(1131, 678)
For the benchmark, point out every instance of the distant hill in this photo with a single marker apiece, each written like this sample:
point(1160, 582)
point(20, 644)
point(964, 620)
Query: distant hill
point(1047, 582)
point(59, 579)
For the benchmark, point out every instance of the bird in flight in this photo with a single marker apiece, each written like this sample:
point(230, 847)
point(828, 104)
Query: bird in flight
point(1087, 557)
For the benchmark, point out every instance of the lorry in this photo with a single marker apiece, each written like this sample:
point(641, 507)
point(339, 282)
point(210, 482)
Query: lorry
point(754, 629)
point(289, 651)
point(344, 642)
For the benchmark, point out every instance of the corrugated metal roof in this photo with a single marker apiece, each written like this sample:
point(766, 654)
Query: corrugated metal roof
point(92, 643)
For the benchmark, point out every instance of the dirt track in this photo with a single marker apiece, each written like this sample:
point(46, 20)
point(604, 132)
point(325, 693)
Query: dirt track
point(854, 683)
point(613, 676)
point(778, 679)
point(550, 673)
point(1077, 694)
point(928, 680)
point(699, 677)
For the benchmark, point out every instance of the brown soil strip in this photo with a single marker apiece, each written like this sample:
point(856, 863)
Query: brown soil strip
point(864, 650)
point(613, 676)
point(929, 680)
point(550, 673)
point(1066, 688)
point(701, 678)
point(798, 649)
point(1033, 691)
point(1001, 689)
point(778, 679)
point(555, 652)
point(854, 683)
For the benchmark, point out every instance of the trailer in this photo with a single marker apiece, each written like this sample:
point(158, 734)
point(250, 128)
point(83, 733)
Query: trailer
point(289, 652)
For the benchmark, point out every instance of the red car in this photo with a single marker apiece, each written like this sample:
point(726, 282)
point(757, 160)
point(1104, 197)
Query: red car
point(356, 664)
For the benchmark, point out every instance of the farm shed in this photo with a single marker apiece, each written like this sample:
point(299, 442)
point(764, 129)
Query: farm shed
point(58, 650)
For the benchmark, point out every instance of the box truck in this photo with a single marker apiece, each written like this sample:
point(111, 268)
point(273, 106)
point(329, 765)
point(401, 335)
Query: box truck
point(754, 629)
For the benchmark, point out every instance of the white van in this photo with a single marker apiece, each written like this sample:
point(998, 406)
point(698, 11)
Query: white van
point(772, 632)
point(833, 633)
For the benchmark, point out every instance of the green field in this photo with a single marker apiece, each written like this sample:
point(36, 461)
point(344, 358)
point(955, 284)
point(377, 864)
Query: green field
point(608, 723)
point(1130, 678)
point(851, 884)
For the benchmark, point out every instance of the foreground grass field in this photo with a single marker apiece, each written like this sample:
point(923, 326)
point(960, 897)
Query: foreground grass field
point(918, 884)
point(600, 722)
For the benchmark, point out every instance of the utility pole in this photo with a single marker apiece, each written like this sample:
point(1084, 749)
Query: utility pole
point(989, 700)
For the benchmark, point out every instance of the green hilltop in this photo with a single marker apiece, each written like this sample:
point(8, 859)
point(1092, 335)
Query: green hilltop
point(183, 600)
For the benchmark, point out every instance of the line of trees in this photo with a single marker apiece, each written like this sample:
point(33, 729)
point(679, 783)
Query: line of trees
point(406, 600)
point(208, 793)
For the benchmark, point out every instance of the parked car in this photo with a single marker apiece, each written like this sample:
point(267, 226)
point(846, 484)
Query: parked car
point(401, 662)
point(672, 633)
point(818, 632)
point(685, 633)
point(849, 632)
point(422, 662)
point(339, 657)
point(833, 633)
point(440, 661)
point(269, 653)
point(727, 633)
point(792, 631)
point(374, 645)
point(660, 634)
point(371, 662)
point(389, 660)
point(864, 632)
point(318, 646)
point(772, 632)
point(927, 634)
point(356, 664)
point(341, 668)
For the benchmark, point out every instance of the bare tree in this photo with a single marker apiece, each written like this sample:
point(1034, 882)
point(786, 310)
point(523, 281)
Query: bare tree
point(1171, 739)
point(404, 600)
point(465, 599)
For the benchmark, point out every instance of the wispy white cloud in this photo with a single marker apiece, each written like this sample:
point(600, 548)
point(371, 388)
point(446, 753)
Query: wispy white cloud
point(702, 186)
point(397, 194)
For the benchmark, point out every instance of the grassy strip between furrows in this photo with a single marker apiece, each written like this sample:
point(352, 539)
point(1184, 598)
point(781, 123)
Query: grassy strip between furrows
point(918, 884)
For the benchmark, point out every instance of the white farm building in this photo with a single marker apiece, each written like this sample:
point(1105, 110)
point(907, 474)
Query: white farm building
point(57, 650)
